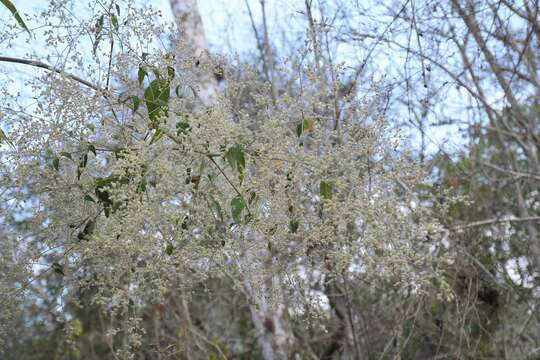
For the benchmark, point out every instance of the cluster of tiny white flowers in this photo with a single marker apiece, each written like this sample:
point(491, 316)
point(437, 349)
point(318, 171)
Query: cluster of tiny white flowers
point(169, 219)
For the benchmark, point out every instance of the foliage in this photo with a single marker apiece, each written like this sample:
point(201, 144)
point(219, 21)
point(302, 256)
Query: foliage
point(9, 5)
point(139, 223)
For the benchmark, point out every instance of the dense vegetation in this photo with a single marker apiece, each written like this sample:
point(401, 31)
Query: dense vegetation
point(158, 201)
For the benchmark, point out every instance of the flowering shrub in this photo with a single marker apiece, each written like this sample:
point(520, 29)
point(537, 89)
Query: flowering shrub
point(129, 189)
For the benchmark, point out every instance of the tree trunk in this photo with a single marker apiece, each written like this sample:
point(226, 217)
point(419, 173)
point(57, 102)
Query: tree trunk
point(190, 25)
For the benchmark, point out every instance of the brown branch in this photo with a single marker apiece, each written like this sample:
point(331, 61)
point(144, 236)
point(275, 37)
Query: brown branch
point(495, 221)
point(42, 65)
point(517, 174)
point(474, 29)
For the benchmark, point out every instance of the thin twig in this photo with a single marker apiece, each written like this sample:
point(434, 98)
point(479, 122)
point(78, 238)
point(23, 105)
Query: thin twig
point(230, 183)
point(494, 221)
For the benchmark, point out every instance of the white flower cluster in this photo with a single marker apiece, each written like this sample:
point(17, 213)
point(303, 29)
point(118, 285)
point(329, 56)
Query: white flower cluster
point(134, 190)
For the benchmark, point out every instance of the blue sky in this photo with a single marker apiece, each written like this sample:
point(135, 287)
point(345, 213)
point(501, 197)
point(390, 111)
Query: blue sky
point(227, 25)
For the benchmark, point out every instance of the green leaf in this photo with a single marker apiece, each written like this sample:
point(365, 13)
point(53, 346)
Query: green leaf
point(141, 74)
point(58, 268)
point(99, 24)
point(102, 189)
point(236, 158)
point(303, 126)
point(99, 28)
point(2, 136)
point(103, 196)
point(92, 149)
point(293, 226)
point(170, 72)
point(185, 223)
point(87, 231)
point(141, 187)
point(9, 5)
point(252, 197)
point(96, 43)
point(89, 198)
point(299, 129)
point(66, 154)
point(56, 163)
point(114, 21)
point(83, 161)
point(156, 96)
point(136, 102)
point(169, 249)
point(237, 206)
point(325, 190)
point(215, 208)
point(182, 128)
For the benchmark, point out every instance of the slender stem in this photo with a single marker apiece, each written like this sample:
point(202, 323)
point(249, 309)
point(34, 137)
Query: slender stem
point(110, 64)
point(230, 182)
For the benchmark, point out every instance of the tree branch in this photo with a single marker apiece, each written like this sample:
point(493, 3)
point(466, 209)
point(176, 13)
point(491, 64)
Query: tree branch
point(42, 65)
point(495, 221)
